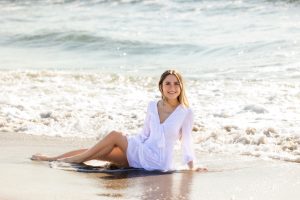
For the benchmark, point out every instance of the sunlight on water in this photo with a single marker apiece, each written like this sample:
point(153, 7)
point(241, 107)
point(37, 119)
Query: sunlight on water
point(70, 68)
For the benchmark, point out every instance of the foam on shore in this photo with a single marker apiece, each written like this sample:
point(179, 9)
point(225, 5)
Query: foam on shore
point(231, 116)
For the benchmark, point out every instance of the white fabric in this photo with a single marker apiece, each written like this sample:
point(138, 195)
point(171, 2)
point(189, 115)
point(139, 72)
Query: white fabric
point(152, 149)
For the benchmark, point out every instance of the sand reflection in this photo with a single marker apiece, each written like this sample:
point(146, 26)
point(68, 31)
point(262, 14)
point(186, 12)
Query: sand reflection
point(148, 185)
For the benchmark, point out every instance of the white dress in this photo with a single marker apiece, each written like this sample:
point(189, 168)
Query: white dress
point(152, 149)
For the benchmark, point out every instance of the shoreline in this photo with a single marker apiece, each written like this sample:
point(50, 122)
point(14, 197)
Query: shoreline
point(231, 177)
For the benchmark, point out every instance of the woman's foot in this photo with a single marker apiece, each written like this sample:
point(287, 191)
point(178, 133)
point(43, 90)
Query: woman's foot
point(41, 157)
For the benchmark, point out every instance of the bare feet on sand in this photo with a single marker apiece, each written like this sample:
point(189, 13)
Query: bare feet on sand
point(41, 157)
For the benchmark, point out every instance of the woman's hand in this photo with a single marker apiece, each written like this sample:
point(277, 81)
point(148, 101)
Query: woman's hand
point(200, 169)
point(196, 169)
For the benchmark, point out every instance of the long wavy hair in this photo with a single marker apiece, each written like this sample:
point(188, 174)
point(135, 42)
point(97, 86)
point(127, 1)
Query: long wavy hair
point(182, 96)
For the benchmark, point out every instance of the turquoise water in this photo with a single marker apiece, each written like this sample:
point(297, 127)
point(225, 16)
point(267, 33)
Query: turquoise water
point(84, 68)
point(230, 38)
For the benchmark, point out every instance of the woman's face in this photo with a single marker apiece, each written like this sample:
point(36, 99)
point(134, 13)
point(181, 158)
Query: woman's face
point(171, 87)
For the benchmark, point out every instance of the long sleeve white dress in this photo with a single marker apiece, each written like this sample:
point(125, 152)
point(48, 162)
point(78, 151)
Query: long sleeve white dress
point(152, 149)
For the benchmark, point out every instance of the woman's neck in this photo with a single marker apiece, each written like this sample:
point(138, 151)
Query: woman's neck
point(172, 103)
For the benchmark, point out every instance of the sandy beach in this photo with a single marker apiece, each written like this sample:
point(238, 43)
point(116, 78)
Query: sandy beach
point(73, 71)
point(230, 177)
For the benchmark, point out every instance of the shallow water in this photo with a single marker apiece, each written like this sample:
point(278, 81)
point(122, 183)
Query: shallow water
point(251, 39)
point(84, 68)
point(255, 117)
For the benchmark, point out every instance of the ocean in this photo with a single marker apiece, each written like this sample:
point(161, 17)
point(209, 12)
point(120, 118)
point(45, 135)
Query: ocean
point(84, 68)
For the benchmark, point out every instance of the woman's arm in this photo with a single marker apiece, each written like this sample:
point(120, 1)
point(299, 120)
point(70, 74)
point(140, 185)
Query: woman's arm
point(145, 132)
point(197, 169)
point(191, 165)
point(186, 138)
point(187, 143)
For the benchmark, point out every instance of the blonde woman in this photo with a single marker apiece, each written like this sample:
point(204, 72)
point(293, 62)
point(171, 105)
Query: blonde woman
point(167, 120)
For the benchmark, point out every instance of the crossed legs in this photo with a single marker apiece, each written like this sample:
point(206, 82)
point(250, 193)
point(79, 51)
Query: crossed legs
point(111, 148)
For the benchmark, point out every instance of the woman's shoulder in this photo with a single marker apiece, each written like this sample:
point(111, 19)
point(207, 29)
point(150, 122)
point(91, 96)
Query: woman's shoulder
point(153, 103)
point(186, 108)
point(188, 111)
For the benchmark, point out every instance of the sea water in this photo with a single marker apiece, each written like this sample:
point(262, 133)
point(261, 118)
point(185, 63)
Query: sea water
point(84, 68)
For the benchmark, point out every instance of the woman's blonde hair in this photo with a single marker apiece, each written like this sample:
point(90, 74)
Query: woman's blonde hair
point(182, 96)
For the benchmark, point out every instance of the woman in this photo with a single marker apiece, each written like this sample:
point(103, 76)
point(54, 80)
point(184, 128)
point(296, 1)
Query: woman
point(167, 120)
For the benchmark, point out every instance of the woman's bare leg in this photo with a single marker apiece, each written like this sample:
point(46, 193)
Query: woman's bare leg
point(101, 149)
point(41, 157)
point(115, 156)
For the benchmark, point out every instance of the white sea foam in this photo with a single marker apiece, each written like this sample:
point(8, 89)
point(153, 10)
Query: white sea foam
point(243, 75)
point(251, 117)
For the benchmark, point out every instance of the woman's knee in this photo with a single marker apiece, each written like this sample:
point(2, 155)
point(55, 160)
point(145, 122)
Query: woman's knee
point(119, 139)
point(115, 134)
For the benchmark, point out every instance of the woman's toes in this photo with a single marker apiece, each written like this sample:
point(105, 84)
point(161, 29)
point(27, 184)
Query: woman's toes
point(39, 157)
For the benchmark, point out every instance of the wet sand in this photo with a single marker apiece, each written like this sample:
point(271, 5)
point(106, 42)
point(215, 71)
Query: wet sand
point(230, 177)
